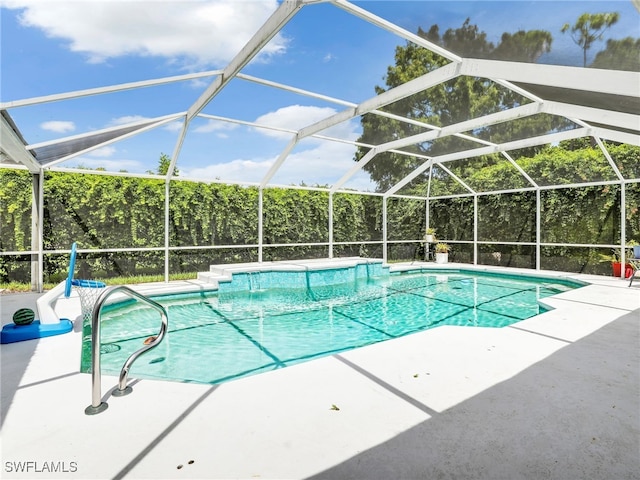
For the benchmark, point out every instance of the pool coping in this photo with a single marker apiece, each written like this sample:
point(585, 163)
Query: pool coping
point(392, 401)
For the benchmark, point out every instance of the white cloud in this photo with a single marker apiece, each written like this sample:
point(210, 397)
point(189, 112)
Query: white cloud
point(323, 164)
point(295, 117)
point(125, 120)
point(58, 126)
point(111, 165)
point(128, 119)
point(103, 157)
point(173, 126)
point(234, 170)
point(216, 126)
point(207, 32)
point(313, 161)
point(103, 152)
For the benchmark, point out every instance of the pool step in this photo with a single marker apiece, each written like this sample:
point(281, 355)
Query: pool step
point(214, 277)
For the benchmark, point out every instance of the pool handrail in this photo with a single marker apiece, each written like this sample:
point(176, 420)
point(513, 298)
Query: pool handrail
point(97, 405)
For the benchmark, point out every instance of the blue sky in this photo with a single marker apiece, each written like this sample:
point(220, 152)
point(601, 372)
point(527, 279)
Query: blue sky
point(51, 46)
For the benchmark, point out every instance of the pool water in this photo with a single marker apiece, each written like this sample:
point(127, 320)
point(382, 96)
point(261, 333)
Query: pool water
point(225, 335)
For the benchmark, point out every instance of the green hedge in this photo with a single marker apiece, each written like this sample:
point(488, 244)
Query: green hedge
point(100, 212)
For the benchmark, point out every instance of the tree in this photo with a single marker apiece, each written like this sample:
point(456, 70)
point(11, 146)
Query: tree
point(467, 41)
point(619, 55)
point(589, 28)
point(450, 102)
point(523, 46)
point(163, 165)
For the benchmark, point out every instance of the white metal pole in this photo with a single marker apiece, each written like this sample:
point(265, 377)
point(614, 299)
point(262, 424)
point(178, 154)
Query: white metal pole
point(623, 228)
point(330, 225)
point(384, 230)
point(37, 231)
point(475, 229)
point(427, 219)
point(41, 232)
point(538, 228)
point(167, 189)
point(260, 223)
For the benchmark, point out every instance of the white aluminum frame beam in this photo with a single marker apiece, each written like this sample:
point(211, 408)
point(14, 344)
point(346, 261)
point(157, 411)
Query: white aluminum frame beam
point(407, 89)
point(13, 147)
point(299, 91)
point(480, 122)
point(290, 145)
point(109, 89)
point(614, 82)
point(590, 114)
point(412, 87)
point(288, 130)
point(395, 29)
point(457, 179)
point(525, 143)
point(558, 186)
point(570, 111)
point(616, 136)
point(279, 161)
point(284, 13)
point(515, 145)
point(517, 89)
point(157, 123)
point(246, 123)
point(491, 119)
point(607, 155)
point(265, 33)
point(173, 116)
point(520, 169)
point(329, 99)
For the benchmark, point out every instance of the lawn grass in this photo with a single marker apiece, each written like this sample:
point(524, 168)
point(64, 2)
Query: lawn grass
point(16, 287)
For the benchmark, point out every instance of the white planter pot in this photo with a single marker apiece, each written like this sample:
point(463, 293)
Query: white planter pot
point(442, 257)
point(429, 238)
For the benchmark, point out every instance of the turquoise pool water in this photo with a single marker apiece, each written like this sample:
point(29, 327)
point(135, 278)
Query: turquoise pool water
point(256, 323)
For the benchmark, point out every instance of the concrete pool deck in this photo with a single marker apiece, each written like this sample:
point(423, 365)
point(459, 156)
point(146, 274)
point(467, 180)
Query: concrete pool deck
point(556, 396)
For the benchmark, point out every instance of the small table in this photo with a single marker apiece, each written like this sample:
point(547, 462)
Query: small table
point(635, 263)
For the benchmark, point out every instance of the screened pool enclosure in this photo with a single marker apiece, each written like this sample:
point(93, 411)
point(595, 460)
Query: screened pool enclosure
point(546, 178)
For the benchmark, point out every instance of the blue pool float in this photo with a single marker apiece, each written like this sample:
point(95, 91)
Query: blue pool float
point(17, 333)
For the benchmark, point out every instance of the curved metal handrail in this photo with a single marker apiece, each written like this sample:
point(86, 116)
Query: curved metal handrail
point(97, 405)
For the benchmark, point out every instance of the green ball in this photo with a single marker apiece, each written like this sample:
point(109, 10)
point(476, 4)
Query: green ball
point(24, 316)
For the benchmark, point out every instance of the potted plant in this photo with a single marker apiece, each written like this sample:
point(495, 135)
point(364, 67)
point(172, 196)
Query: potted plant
point(430, 235)
point(616, 263)
point(442, 252)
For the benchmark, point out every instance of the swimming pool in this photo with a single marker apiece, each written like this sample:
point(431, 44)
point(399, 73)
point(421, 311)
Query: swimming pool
point(257, 323)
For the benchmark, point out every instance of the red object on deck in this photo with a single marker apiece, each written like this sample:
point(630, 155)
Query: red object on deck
point(617, 269)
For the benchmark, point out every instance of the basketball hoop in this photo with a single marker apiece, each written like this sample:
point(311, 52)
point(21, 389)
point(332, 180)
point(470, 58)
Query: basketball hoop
point(88, 290)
